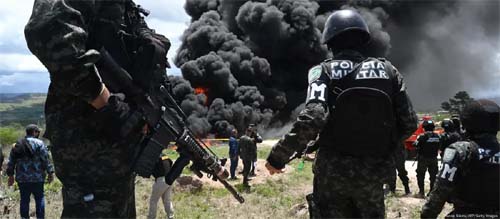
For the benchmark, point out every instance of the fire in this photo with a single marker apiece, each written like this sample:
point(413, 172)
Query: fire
point(201, 90)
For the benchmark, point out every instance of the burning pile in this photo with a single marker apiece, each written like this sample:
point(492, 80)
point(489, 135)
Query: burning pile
point(246, 61)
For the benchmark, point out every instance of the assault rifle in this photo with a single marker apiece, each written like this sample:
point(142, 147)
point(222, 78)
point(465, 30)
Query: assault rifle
point(167, 123)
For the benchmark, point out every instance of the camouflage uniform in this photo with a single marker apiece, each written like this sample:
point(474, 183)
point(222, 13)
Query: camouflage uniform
point(447, 139)
point(399, 162)
point(248, 153)
point(344, 186)
point(468, 179)
point(94, 169)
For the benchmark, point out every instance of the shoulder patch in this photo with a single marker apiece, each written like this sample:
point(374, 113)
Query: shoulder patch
point(315, 73)
point(449, 154)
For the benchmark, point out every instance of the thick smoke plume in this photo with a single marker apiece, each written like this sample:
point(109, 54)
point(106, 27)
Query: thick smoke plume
point(250, 58)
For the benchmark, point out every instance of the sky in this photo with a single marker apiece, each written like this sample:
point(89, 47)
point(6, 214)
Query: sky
point(21, 72)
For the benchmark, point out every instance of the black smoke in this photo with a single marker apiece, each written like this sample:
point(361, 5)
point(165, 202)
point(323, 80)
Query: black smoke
point(252, 57)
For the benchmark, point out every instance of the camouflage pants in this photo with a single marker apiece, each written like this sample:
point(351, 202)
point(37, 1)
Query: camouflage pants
point(95, 173)
point(348, 188)
point(247, 166)
point(399, 161)
point(426, 164)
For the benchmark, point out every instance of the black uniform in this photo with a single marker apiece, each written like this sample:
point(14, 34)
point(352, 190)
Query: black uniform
point(448, 138)
point(427, 145)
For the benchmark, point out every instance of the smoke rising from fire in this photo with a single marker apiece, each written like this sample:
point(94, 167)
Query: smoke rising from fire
point(250, 58)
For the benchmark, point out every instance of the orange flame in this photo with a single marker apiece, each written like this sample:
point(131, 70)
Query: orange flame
point(201, 90)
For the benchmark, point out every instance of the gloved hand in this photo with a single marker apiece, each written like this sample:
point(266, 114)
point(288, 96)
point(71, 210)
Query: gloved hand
point(117, 119)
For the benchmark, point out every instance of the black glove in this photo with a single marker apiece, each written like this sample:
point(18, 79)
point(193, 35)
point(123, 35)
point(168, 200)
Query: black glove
point(117, 119)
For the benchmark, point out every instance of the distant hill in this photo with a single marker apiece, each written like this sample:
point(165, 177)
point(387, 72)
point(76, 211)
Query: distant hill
point(22, 109)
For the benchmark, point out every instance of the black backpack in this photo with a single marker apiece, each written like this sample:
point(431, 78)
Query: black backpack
point(363, 119)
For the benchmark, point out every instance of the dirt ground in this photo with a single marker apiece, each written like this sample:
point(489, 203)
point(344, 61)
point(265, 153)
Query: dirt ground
point(260, 203)
point(398, 205)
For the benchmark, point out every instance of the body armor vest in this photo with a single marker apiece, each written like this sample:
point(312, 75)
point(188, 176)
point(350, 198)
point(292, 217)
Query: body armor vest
point(429, 145)
point(479, 187)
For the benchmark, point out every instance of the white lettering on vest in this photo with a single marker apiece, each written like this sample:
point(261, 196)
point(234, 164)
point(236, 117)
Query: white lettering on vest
point(314, 89)
point(447, 170)
point(372, 70)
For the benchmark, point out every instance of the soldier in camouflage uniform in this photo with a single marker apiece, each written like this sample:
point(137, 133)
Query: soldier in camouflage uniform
point(399, 162)
point(248, 153)
point(470, 173)
point(92, 157)
point(427, 144)
point(348, 183)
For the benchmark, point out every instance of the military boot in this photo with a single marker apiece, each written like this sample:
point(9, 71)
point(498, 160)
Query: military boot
point(407, 188)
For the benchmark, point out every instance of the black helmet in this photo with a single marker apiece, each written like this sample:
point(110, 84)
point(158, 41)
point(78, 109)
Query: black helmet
point(344, 29)
point(428, 125)
point(448, 125)
point(481, 116)
point(456, 121)
point(31, 129)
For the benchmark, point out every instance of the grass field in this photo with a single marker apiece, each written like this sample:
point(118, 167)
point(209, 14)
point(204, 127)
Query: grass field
point(277, 196)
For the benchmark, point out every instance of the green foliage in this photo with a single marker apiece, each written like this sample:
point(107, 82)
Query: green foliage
point(10, 134)
point(24, 109)
point(456, 104)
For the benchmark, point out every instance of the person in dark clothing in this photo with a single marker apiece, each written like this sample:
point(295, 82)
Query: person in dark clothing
point(399, 161)
point(85, 115)
point(449, 136)
point(233, 153)
point(427, 144)
point(257, 139)
point(248, 152)
point(470, 173)
point(359, 107)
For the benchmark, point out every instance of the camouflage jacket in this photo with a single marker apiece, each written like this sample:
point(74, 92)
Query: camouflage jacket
point(248, 148)
point(458, 176)
point(29, 167)
point(313, 118)
point(66, 35)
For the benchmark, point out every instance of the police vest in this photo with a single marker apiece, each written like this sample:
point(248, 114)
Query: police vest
point(479, 186)
point(428, 145)
point(361, 121)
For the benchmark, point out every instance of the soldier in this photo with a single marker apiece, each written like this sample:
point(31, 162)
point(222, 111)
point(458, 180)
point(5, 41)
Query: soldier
point(92, 151)
point(248, 153)
point(449, 136)
point(457, 124)
point(427, 144)
point(356, 125)
point(257, 139)
point(399, 161)
point(470, 173)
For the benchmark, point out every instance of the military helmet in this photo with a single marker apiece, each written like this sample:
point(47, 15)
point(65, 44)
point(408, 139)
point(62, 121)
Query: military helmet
point(428, 125)
point(456, 121)
point(448, 125)
point(481, 116)
point(32, 128)
point(345, 28)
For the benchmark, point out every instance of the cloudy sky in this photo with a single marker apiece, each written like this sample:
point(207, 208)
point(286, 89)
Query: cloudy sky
point(21, 72)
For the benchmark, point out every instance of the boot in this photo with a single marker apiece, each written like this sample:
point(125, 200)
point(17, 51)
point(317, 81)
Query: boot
point(407, 188)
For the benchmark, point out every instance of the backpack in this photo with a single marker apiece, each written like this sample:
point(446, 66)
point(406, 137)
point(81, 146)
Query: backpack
point(362, 118)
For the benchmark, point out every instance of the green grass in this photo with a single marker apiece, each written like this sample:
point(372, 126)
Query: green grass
point(25, 111)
